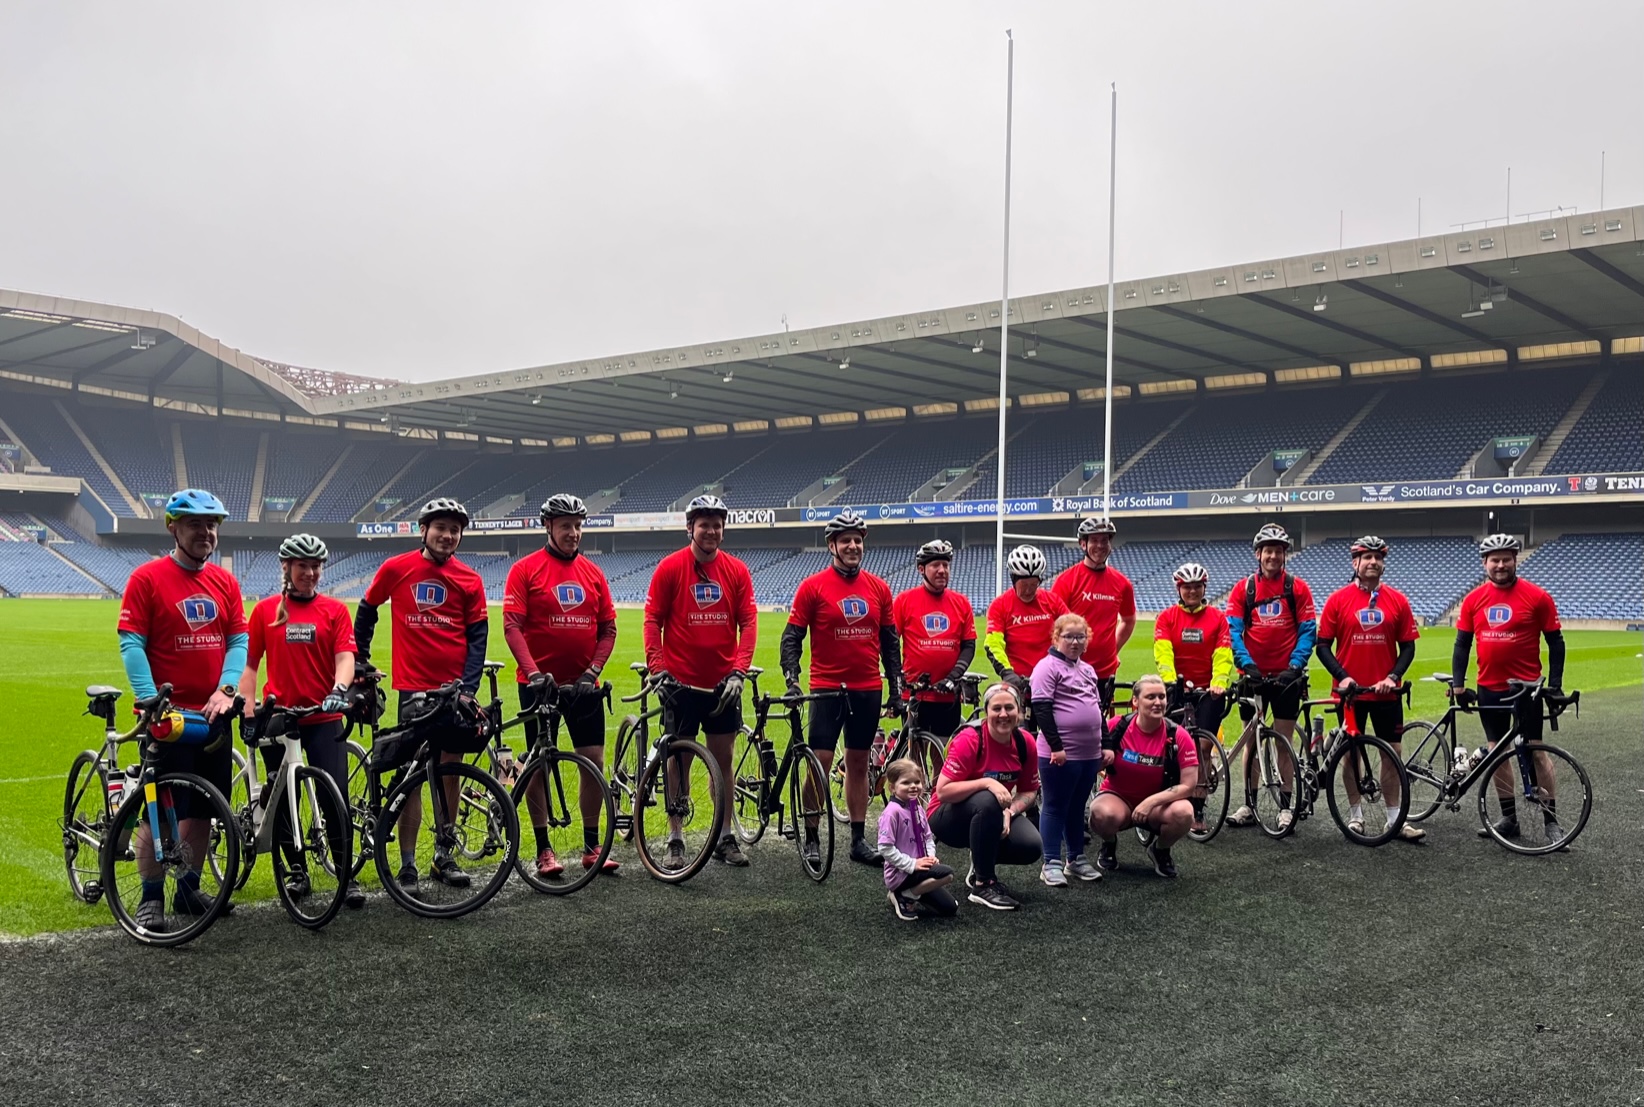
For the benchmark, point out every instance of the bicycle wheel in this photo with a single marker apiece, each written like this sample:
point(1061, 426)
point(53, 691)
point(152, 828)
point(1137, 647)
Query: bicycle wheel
point(749, 785)
point(483, 813)
point(359, 803)
point(548, 799)
point(85, 819)
point(1427, 763)
point(836, 789)
point(1269, 778)
point(1550, 813)
point(808, 803)
point(239, 799)
point(312, 857)
point(680, 802)
point(184, 882)
point(625, 769)
point(1214, 782)
point(1362, 768)
point(930, 752)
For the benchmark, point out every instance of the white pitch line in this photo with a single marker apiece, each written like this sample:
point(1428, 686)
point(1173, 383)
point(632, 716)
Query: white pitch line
point(30, 779)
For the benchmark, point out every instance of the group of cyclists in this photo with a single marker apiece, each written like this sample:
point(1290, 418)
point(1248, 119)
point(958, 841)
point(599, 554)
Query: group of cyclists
point(1055, 647)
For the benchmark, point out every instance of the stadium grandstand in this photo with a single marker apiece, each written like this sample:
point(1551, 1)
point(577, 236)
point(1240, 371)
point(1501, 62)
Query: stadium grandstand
point(1427, 390)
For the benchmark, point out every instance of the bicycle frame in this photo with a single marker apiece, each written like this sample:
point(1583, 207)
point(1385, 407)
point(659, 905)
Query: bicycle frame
point(1453, 788)
point(775, 775)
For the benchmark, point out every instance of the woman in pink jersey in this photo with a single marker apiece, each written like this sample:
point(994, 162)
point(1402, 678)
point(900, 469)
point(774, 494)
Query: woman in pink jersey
point(1144, 787)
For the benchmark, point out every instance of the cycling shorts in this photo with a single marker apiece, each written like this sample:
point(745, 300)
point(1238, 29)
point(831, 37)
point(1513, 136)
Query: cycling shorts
point(940, 719)
point(854, 713)
point(1384, 719)
point(581, 716)
point(1499, 723)
point(215, 768)
point(1285, 703)
point(688, 710)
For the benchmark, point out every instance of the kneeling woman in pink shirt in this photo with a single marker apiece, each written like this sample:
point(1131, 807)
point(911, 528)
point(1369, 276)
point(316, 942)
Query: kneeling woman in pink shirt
point(1145, 786)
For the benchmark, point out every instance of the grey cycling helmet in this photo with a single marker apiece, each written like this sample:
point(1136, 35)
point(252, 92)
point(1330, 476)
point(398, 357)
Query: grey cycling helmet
point(937, 549)
point(1026, 561)
point(563, 504)
point(706, 505)
point(1088, 527)
point(1370, 543)
point(1271, 534)
point(304, 547)
point(846, 520)
point(442, 507)
point(1191, 572)
point(1496, 543)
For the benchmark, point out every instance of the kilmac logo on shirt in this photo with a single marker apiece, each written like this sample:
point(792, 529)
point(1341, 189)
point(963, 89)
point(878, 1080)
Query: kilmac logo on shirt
point(198, 610)
point(428, 593)
point(854, 608)
point(706, 593)
point(936, 623)
point(570, 595)
point(1370, 617)
point(1498, 614)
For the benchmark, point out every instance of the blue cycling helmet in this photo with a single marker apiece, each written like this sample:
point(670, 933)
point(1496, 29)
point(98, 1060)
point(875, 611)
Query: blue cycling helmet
point(194, 501)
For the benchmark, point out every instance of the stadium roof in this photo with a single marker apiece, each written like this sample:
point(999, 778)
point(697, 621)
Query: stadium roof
point(1471, 297)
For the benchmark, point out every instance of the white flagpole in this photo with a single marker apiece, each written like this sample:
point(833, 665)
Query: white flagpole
point(1004, 332)
point(1112, 223)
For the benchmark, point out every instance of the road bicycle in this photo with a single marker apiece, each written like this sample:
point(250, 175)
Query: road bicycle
point(551, 788)
point(669, 793)
point(96, 785)
point(1212, 789)
point(1262, 764)
point(1354, 770)
point(912, 741)
point(310, 837)
point(759, 784)
point(1538, 777)
point(473, 815)
point(154, 841)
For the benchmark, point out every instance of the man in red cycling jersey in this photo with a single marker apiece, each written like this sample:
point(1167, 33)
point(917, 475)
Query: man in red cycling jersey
point(1508, 616)
point(182, 623)
point(1104, 596)
point(1271, 619)
point(938, 632)
point(1020, 621)
point(1367, 640)
point(439, 635)
point(560, 625)
point(850, 610)
point(701, 627)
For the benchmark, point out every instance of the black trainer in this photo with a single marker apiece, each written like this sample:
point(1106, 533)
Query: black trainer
point(730, 852)
point(1160, 856)
point(297, 884)
point(354, 898)
point(187, 900)
point(864, 854)
point(903, 907)
point(444, 869)
point(993, 897)
point(1107, 857)
point(408, 875)
point(1505, 826)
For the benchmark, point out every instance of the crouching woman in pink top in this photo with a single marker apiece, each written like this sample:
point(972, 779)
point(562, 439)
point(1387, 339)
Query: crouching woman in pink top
point(1145, 786)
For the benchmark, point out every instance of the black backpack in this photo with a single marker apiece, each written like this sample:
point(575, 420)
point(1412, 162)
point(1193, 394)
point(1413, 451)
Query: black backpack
point(1115, 741)
point(1289, 596)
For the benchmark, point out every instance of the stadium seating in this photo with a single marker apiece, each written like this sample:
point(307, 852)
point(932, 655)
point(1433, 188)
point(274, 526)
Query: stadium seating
point(1427, 430)
point(296, 462)
point(222, 459)
point(37, 421)
point(1591, 576)
point(368, 467)
point(28, 568)
point(912, 455)
point(1224, 438)
point(685, 470)
point(1609, 436)
point(1052, 445)
point(135, 443)
point(797, 462)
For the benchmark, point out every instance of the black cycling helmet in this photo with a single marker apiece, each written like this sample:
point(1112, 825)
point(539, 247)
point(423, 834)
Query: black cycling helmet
point(846, 520)
point(443, 507)
point(1370, 543)
point(937, 549)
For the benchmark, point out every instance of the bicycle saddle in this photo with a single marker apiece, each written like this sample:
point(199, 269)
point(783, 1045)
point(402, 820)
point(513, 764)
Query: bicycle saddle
point(103, 692)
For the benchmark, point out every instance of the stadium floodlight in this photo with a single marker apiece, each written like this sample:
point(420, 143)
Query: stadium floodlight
point(845, 362)
point(536, 399)
point(730, 375)
point(1321, 303)
point(981, 343)
point(1030, 344)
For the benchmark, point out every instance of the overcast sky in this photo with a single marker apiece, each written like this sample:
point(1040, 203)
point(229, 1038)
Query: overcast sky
point(422, 190)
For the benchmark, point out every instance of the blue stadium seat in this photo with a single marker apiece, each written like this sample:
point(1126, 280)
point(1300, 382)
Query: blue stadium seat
point(1609, 436)
point(1591, 576)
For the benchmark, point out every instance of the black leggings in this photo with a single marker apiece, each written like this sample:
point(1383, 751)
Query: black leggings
point(324, 748)
point(975, 823)
point(939, 900)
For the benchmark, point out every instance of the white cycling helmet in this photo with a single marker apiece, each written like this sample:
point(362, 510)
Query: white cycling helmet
point(1498, 542)
point(1026, 561)
point(1271, 534)
point(937, 549)
point(303, 547)
point(706, 505)
point(1097, 526)
point(1192, 572)
point(846, 520)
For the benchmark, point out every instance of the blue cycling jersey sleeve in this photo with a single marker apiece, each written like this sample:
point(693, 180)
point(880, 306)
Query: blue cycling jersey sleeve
point(234, 660)
point(1307, 633)
point(1235, 627)
point(134, 656)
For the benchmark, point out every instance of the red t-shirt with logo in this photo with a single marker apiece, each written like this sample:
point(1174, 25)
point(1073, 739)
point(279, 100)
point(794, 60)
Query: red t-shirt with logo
point(1194, 638)
point(971, 756)
point(561, 605)
point(700, 618)
point(1507, 625)
point(302, 654)
point(186, 616)
point(1026, 626)
point(844, 617)
point(1366, 638)
point(1271, 631)
point(1102, 597)
point(932, 627)
point(433, 607)
point(1138, 766)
